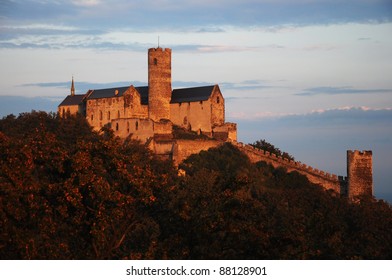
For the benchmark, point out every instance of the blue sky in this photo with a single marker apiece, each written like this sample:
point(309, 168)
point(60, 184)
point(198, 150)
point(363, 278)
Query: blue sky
point(310, 76)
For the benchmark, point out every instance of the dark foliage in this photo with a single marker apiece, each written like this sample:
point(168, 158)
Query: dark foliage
point(264, 145)
point(67, 192)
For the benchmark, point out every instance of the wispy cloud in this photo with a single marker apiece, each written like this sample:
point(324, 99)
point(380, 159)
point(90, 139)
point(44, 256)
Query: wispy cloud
point(82, 87)
point(329, 115)
point(340, 90)
point(158, 14)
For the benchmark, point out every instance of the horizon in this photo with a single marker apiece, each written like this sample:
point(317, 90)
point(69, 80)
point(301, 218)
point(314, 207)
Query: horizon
point(310, 77)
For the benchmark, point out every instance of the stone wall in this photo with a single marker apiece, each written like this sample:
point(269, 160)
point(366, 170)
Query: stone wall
point(100, 112)
point(227, 131)
point(182, 148)
point(200, 116)
point(327, 180)
point(138, 129)
point(217, 107)
point(193, 116)
point(133, 107)
point(69, 110)
point(359, 173)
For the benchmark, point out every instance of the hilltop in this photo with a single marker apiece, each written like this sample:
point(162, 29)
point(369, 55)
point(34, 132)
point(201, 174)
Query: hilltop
point(69, 192)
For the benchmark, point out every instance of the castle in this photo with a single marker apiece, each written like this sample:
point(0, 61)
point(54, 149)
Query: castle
point(151, 113)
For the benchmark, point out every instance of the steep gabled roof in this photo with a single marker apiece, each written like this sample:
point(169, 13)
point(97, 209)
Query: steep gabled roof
point(107, 92)
point(143, 91)
point(72, 100)
point(191, 94)
point(111, 92)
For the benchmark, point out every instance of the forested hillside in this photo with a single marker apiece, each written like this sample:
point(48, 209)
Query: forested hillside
point(67, 192)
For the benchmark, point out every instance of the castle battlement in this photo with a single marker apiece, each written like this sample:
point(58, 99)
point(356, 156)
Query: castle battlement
point(339, 184)
point(164, 50)
point(360, 153)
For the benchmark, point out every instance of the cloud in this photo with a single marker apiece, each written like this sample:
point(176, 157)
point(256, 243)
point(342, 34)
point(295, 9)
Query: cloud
point(83, 87)
point(245, 85)
point(20, 104)
point(175, 14)
point(86, 3)
point(340, 90)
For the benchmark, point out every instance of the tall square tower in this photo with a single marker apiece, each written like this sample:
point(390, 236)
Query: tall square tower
point(159, 83)
point(359, 173)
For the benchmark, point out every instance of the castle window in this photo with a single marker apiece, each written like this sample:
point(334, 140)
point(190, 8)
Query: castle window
point(185, 121)
point(100, 115)
point(118, 114)
point(92, 117)
point(109, 115)
point(116, 126)
point(217, 99)
point(137, 125)
point(127, 126)
point(63, 112)
point(155, 61)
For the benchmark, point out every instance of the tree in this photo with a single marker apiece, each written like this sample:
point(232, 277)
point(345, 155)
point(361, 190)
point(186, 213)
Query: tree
point(264, 145)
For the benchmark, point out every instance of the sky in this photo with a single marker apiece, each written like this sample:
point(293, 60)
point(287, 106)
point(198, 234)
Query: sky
point(312, 77)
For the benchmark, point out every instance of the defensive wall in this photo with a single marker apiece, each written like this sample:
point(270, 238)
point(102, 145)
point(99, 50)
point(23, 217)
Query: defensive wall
point(327, 180)
point(184, 148)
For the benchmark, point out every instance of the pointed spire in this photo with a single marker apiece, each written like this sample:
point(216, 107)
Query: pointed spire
point(72, 87)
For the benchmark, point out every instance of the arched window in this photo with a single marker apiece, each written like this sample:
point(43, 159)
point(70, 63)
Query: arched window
point(116, 126)
point(137, 125)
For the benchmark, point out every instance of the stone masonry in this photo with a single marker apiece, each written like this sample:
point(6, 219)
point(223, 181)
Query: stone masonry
point(149, 113)
point(159, 83)
point(359, 173)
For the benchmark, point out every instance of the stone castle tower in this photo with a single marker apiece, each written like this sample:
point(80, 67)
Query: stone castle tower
point(359, 173)
point(159, 83)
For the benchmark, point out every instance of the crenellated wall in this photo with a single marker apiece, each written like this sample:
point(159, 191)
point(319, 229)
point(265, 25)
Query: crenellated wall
point(327, 180)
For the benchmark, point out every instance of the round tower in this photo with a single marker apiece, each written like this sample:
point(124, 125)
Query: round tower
point(159, 83)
